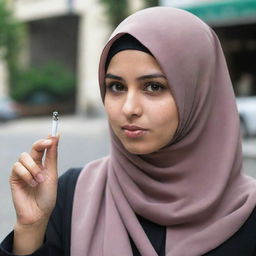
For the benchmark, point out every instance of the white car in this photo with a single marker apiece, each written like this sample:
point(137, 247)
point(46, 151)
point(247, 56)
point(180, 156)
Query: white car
point(247, 113)
point(8, 109)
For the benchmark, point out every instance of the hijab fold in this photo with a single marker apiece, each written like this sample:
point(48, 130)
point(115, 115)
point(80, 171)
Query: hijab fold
point(194, 185)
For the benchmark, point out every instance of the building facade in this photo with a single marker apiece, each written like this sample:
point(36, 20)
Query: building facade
point(234, 21)
point(72, 32)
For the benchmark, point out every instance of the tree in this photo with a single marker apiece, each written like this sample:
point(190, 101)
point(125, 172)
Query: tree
point(150, 3)
point(10, 40)
point(118, 10)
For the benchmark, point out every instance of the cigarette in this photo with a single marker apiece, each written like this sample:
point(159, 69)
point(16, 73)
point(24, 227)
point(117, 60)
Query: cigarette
point(55, 117)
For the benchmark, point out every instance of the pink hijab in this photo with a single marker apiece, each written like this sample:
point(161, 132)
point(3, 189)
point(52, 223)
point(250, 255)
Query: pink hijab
point(194, 185)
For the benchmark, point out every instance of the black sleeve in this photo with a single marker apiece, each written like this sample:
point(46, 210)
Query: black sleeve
point(57, 238)
point(242, 243)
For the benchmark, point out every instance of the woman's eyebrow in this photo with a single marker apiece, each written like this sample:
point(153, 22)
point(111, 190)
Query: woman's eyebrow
point(150, 76)
point(111, 76)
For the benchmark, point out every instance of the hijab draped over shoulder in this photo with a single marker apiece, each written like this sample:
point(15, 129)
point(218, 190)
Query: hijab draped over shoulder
point(194, 186)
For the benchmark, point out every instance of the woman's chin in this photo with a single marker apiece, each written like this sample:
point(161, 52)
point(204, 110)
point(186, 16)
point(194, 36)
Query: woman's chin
point(139, 150)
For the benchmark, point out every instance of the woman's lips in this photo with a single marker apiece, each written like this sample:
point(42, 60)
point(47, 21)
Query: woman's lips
point(133, 131)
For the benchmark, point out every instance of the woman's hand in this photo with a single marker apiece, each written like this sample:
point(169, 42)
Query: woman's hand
point(34, 190)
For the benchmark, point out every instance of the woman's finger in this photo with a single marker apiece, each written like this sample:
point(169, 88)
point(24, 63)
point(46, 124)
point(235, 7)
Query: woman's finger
point(19, 171)
point(38, 149)
point(27, 161)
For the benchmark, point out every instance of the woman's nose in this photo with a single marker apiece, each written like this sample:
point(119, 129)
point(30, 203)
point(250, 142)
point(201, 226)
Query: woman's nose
point(132, 105)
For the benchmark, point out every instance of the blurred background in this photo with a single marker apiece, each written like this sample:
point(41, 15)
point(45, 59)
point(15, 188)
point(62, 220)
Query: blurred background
point(49, 54)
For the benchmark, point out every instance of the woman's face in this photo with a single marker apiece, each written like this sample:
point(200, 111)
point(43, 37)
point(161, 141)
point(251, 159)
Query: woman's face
point(138, 101)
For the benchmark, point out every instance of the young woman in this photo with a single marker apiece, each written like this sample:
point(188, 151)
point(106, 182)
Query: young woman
point(173, 183)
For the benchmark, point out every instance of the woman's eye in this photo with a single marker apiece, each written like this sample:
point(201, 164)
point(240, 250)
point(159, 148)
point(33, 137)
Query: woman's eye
point(116, 87)
point(154, 87)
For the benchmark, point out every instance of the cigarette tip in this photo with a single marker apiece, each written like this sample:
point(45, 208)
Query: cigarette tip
point(55, 115)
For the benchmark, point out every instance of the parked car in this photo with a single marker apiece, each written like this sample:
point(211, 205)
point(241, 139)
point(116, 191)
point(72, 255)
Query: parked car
point(8, 109)
point(247, 113)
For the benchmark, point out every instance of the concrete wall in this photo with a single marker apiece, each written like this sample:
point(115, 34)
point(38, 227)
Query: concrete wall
point(93, 33)
point(27, 10)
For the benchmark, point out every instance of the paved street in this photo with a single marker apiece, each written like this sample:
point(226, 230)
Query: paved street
point(82, 140)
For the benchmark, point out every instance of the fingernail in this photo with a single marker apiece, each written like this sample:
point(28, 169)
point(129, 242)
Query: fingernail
point(33, 183)
point(40, 178)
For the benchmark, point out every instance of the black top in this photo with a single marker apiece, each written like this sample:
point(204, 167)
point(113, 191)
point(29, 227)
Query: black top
point(57, 240)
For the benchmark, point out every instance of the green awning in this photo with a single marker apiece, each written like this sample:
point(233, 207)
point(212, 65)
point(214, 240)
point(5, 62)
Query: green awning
point(226, 11)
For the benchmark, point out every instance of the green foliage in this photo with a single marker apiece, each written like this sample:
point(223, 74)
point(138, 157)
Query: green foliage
point(150, 3)
point(51, 79)
point(116, 10)
point(11, 33)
